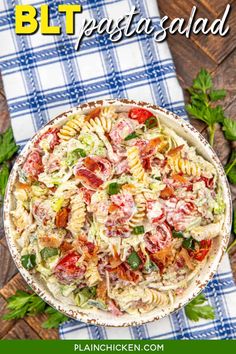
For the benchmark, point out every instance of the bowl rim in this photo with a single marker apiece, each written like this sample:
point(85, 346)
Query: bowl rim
point(45, 293)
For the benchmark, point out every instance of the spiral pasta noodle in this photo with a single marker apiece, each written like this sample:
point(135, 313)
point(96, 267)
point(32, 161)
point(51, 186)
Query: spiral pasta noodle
point(72, 127)
point(138, 217)
point(77, 215)
point(185, 166)
point(92, 275)
point(135, 164)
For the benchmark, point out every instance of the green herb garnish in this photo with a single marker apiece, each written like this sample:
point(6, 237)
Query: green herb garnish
point(230, 168)
point(48, 252)
point(177, 234)
point(24, 304)
point(131, 136)
point(202, 95)
point(74, 155)
point(55, 318)
point(189, 243)
point(196, 310)
point(133, 260)
point(151, 123)
point(113, 188)
point(138, 230)
point(8, 146)
point(28, 261)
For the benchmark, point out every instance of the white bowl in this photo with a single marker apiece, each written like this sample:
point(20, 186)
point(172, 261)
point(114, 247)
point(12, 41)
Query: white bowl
point(197, 284)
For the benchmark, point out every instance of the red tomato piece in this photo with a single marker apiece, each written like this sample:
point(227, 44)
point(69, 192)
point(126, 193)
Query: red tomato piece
point(202, 252)
point(33, 165)
point(155, 212)
point(160, 239)
point(67, 270)
point(140, 114)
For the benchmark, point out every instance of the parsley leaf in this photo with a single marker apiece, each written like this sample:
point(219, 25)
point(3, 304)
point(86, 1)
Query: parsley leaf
point(230, 168)
point(24, 304)
point(234, 231)
point(196, 309)
point(202, 95)
point(229, 127)
point(8, 146)
point(55, 318)
point(4, 174)
point(203, 81)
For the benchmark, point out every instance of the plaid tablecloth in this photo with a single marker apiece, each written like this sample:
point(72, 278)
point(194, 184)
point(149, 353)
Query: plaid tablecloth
point(44, 75)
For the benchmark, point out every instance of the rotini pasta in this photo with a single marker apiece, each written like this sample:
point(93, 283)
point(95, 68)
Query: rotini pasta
point(120, 215)
point(72, 127)
point(135, 164)
point(77, 215)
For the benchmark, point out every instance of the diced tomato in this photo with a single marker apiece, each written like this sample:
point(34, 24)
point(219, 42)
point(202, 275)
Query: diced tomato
point(33, 165)
point(62, 218)
point(209, 182)
point(158, 239)
point(126, 207)
point(140, 114)
point(203, 250)
point(89, 178)
point(52, 136)
point(67, 270)
point(175, 151)
point(167, 192)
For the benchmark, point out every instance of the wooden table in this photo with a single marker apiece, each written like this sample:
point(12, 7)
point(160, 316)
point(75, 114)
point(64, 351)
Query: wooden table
point(216, 54)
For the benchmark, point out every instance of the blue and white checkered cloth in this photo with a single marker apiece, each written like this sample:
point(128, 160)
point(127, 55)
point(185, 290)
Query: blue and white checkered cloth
point(44, 75)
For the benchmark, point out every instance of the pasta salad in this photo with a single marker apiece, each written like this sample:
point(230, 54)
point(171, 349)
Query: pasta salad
point(115, 211)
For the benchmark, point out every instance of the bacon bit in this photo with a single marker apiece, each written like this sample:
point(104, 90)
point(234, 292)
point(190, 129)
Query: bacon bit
point(91, 164)
point(164, 256)
point(179, 178)
point(49, 241)
point(102, 291)
point(113, 207)
point(89, 178)
point(114, 262)
point(62, 218)
point(66, 246)
point(24, 186)
point(123, 272)
point(87, 194)
point(93, 114)
point(142, 256)
point(175, 151)
point(184, 253)
point(167, 192)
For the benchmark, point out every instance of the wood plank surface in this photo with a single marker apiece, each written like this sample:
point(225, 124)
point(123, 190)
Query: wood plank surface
point(214, 53)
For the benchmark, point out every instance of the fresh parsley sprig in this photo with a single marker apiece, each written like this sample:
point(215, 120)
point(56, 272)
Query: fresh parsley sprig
point(196, 309)
point(8, 148)
point(230, 168)
point(234, 232)
point(203, 98)
point(25, 304)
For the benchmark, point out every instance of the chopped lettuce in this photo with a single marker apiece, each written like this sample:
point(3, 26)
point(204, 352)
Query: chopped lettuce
point(57, 204)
